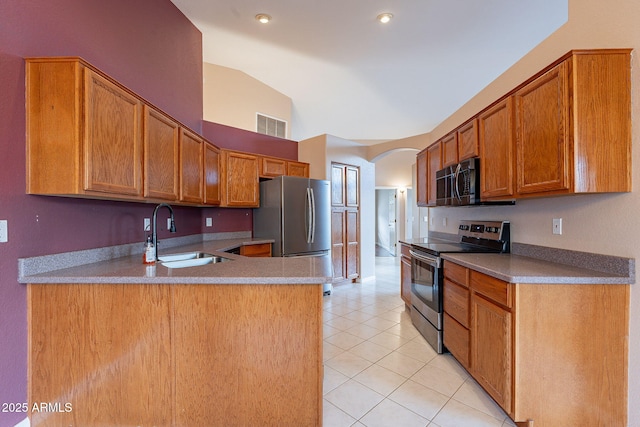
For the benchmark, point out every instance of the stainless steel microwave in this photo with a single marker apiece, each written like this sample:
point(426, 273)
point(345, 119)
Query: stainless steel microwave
point(459, 184)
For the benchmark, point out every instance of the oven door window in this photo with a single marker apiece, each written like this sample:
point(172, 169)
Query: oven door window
point(425, 283)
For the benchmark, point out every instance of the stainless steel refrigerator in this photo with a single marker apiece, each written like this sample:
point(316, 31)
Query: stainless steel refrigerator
point(296, 213)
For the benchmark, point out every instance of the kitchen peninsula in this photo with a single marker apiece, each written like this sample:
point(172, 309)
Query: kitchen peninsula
point(230, 343)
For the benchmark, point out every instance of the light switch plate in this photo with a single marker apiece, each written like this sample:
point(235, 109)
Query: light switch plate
point(557, 225)
point(4, 232)
point(209, 222)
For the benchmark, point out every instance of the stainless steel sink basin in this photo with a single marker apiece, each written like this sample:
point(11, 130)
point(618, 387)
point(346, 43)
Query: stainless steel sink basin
point(190, 259)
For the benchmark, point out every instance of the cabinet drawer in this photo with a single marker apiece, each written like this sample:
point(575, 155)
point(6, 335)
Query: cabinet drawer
point(456, 302)
point(495, 289)
point(258, 250)
point(456, 339)
point(457, 273)
point(404, 250)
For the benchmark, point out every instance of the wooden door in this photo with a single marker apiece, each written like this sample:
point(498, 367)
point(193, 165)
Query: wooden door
point(211, 174)
point(113, 138)
point(191, 167)
point(468, 140)
point(491, 349)
point(161, 165)
point(542, 133)
point(345, 220)
point(496, 135)
point(422, 177)
point(240, 175)
point(434, 164)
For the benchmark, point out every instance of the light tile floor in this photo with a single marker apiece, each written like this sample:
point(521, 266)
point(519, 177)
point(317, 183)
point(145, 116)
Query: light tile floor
point(379, 371)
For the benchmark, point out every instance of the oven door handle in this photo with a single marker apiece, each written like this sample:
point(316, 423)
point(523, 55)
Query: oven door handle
point(434, 262)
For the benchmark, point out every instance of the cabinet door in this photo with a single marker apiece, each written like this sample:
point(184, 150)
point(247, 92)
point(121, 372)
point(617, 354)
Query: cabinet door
point(422, 177)
point(338, 249)
point(449, 149)
point(191, 167)
point(434, 162)
point(468, 140)
point(352, 186)
point(161, 166)
point(496, 134)
point(542, 133)
point(352, 261)
point(242, 183)
point(211, 174)
point(272, 167)
point(298, 169)
point(338, 197)
point(113, 138)
point(405, 274)
point(491, 349)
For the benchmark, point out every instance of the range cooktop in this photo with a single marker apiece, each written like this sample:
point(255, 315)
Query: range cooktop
point(475, 237)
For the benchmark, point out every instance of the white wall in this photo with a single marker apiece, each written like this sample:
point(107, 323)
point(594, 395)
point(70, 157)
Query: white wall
point(233, 98)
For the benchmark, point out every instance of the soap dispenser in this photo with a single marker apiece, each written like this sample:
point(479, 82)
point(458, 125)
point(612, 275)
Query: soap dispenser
point(149, 254)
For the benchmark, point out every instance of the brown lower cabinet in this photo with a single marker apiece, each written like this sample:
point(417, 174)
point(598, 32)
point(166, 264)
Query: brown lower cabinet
point(553, 354)
point(405, 274)
point(175, 354)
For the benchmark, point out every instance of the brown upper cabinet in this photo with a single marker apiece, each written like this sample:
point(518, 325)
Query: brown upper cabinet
point(434, 164)
point(212, 195)
point(271, 167)
point(84, 133)
point(496, 135)
point(422, 175)
point(240, 179)
point(574, 126)
point(565, 130)
point(191, 167)
point(449, 149)
point(161, 168)
point(297, 169)
point(468, 140)
point(88, 136)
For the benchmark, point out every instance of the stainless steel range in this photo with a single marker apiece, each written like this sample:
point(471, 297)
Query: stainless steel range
point(427, 272)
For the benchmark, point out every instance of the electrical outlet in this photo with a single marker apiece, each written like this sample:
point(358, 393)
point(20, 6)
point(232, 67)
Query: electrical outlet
point(169, 223)
point(147, 224)
point(209, 222)
point(4, 231)
point(557, 225)
point(444, 221)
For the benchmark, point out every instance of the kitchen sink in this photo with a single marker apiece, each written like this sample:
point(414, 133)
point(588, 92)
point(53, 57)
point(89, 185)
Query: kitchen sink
point(190, 259)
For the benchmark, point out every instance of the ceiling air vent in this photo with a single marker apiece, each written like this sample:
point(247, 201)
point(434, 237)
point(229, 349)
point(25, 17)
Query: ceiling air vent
point(271, 126)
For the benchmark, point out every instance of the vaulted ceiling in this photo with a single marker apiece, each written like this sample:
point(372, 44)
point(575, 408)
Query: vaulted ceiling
point(351, 76)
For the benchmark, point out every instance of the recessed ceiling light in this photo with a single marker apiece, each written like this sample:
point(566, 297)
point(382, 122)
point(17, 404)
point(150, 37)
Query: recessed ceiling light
point(263, 18)
point(384, 17)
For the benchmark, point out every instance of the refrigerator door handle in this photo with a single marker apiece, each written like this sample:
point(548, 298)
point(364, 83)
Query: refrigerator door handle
point(307, 216)
point(313, 216)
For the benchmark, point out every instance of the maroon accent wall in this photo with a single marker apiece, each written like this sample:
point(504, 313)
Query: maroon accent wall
point(150, 47)
point(244, 140)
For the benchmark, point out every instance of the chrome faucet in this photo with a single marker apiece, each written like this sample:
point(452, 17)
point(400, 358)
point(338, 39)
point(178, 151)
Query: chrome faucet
point(154, 233)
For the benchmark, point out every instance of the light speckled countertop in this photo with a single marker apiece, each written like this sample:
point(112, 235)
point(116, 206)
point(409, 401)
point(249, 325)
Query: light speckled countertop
point(523, 269)
point(240, 270)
